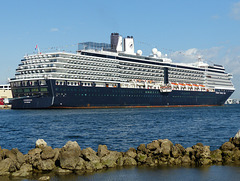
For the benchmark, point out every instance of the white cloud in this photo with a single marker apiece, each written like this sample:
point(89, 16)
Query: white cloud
point(54, 29)
point(235, 11)
point(231, 60)
point(192, 51)
point(192, 55)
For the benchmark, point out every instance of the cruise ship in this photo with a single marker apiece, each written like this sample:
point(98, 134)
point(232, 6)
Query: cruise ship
point(101, 75)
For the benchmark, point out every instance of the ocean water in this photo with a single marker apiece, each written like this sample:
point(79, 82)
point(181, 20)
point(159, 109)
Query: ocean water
point(121, 129)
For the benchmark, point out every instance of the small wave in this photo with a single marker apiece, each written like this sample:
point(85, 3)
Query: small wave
point(56, 120)
point(73, 137)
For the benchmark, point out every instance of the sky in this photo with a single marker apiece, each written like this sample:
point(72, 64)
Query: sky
point(182, 29)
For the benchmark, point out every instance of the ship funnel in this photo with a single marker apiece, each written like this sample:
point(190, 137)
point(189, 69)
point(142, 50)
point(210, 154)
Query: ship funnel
point(116, 42)
point(129, 45)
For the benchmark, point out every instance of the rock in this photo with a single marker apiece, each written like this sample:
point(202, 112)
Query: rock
point(20, 157)
point(216, 156)
point(1, 154)
point(40, 143)
point(47, 153)
point(171, 161)
point(177, 161)
point(197, 146)
point(181, 148)
point(46, 165)
point(97, 165)
point(150, 162)
point(228, 146)
point(204, 161)
point(186, 160)
point(80, 165)
point(200, 145)
point(4, 151)
point(110, 160)
point(90, 155)
point(237, 135)
point(202, 154)
point(227, 156)
point(91, 166)
point(142, 148)
point(197, 151)
point(189, 151)
point(177, 151)
point(158, 151)
point(72, 145)
point(166, 146)
point(56, 154)
point(33, 156)
point(11, 155)
point(63, 171)
point(131, 153)
point(162, 162)
point(25, 170)
point(102, 150)
point(129, 161)
point(20, 174)
point(120, 161)
point(44, 178)
point(205, 156)
point(16, 156)
point(235, 141)
point(141, 157)
point(4, 173)
point(68, 159)
point(236, 155)
point(69, 155)
point(5, 166)
point(153, 145)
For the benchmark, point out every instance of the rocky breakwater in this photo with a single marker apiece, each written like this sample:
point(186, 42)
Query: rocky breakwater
point(72, 159)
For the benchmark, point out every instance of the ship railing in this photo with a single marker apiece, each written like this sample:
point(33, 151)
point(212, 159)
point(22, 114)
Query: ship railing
point(166, 88)
point(93, 46)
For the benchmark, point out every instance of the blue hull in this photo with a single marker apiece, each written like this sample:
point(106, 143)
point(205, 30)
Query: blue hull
point(31, 103)
point(101, 97)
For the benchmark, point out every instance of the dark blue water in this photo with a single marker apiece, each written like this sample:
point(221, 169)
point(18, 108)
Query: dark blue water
point(120, 129)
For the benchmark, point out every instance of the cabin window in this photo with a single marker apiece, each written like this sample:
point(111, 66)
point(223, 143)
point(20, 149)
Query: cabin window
point(35, 90)
point(26, 90)
point(43, 89)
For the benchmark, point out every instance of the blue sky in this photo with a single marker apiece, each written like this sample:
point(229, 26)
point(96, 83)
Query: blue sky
point(209, 28)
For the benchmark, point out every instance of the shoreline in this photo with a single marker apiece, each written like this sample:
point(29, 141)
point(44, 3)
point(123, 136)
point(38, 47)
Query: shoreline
point(72, 159)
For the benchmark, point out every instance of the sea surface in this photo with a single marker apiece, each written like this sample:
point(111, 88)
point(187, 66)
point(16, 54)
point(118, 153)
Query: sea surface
point(121, 129)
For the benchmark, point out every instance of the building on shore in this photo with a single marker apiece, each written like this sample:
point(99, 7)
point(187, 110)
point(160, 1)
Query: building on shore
point(5, 95)
point(232, 101)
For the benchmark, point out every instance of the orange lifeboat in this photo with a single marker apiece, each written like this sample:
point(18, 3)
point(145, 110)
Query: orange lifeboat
point(182, 84)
